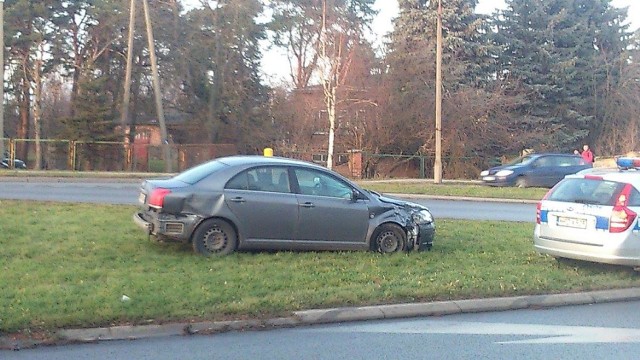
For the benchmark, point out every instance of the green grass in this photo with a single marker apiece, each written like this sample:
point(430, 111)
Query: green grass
point(455, 189)
point(68, 265)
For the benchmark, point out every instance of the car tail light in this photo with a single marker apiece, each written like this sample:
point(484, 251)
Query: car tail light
point(539, 206)
point(622, 217)
point(156, 198)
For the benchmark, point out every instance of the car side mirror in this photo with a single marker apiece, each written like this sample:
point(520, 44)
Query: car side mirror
point(357, 195)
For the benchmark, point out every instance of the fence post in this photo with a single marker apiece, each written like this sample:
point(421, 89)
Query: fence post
point(71, 161)
point(422, 167)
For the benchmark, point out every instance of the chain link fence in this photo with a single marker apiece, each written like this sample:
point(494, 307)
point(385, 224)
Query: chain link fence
point(144, 157)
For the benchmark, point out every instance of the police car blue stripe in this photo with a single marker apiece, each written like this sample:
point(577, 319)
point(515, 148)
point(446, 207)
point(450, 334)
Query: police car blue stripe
point(602, 223)
point(543, 216)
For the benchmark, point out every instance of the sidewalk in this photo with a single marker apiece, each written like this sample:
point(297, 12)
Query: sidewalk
point(324, 316)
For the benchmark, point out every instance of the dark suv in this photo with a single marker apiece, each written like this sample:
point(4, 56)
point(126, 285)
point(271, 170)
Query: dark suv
point(543, 170)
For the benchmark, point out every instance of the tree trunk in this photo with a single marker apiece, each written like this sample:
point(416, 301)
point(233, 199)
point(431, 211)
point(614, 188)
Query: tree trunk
point(37, 111)
point(22, 147)
point(331, 110)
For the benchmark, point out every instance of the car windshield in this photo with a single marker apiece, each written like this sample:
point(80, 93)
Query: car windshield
point(199, 172)
point(522, 160)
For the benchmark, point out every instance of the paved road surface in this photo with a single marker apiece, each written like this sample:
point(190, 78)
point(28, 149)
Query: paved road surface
point(601, 331)
point(126, 192)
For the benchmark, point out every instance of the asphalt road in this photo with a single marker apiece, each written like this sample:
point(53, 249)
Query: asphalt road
point(600, 331)
point(125, 192)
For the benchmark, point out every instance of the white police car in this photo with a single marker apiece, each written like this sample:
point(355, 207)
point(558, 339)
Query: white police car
point(593, 216)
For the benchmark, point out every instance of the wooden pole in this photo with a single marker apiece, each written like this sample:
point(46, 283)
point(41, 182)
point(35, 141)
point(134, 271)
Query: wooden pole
point(156, 89)
point(437, 165)
point(124, 121)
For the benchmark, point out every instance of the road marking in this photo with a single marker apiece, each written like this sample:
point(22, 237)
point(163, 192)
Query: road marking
point(543, 334)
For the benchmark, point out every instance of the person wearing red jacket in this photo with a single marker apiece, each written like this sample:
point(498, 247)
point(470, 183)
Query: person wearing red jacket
point(587, 155)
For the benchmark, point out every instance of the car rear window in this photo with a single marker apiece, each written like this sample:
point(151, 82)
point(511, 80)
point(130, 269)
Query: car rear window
point(587, 191)
point(197, 173)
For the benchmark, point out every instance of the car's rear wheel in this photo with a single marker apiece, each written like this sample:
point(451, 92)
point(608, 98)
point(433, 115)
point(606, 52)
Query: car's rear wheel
point(214, 237)
point(389, 238)
point(522, 182)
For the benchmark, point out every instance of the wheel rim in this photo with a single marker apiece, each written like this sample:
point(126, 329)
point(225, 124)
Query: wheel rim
point(215, 240)
point(388, 242)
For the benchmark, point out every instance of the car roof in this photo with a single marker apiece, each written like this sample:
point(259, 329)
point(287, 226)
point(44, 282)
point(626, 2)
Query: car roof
point(552, 154)
point(631, 176)
point(263, 160)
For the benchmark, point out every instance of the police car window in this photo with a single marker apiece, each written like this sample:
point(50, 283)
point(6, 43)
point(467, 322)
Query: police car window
point(634, 198)
point(586, 191)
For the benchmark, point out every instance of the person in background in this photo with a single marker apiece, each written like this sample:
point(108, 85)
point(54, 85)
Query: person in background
point(587, 155)
point(576, 152)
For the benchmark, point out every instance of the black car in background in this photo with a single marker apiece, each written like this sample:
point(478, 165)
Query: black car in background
point(256, 202)
point(541, 170)
point(17, 164)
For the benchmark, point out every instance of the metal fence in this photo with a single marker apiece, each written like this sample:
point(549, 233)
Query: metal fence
point(111, 156)
point(120, 156)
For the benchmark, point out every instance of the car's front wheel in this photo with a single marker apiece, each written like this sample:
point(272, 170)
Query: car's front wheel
point(214, 237)
point(389, 238)
point(522, 182)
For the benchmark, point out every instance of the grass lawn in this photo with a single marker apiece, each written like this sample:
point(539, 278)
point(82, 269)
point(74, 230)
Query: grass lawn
point(427, 187)
point(68, 265)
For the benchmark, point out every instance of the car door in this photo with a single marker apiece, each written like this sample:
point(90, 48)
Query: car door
point(327, 212)
point(263, 204)
point(545, 171)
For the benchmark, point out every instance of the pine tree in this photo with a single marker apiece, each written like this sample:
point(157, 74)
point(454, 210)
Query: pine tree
point(556, 55)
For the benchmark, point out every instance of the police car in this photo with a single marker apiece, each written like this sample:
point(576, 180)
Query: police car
point(593, 216)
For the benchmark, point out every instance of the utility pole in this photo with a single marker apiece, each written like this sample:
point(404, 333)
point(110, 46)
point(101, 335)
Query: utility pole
point(156, 89)
point(2, 79)
point(437, 165)
point(124, 121)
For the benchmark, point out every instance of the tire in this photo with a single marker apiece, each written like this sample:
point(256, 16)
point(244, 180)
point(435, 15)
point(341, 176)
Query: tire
point(389, 238)
point(214, 237)
point(522, 182)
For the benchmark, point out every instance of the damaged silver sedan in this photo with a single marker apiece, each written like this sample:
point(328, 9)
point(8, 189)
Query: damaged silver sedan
point(256, 202)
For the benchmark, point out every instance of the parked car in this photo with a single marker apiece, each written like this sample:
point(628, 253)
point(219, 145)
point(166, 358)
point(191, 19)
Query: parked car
point(542, 170)
point(17, 164)
point(593, 216)
point(256, 202)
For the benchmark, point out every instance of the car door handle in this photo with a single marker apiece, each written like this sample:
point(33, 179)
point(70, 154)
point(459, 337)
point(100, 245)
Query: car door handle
point(307, 205)
point(238, 199)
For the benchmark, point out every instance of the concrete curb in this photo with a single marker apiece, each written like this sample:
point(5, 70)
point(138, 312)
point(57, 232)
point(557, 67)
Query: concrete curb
point(327, 316)
point(462, 198)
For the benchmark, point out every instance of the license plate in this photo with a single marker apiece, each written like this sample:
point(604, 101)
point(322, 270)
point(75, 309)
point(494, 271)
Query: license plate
point(572, 222)
point(489, 178)
point(142, 198)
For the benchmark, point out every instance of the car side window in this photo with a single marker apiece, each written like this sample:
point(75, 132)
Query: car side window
point(268, 178)
point(541, 162)
point(242, 181)
point(312, 182)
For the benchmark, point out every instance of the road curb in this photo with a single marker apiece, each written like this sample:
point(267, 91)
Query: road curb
point(462, 198)
point(327, 316)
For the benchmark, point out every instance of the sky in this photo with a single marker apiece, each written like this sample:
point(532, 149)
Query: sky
point(275, 64)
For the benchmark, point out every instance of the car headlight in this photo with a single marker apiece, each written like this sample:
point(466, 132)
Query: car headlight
point(484, 173)
point(504, 173)
point(422, 217)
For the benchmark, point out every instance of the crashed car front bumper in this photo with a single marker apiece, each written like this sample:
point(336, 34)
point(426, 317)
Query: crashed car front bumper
point(421, 236)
